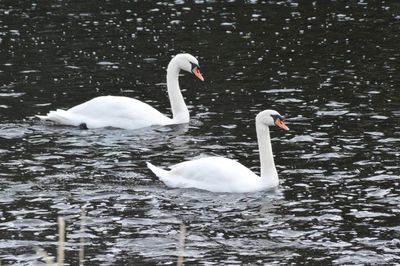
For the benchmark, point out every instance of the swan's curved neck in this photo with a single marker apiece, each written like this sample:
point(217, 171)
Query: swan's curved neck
point(268, 170)
point(180, 113)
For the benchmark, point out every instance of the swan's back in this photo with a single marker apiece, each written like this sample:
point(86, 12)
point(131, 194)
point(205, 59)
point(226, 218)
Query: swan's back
point(110, 111)
point(215, 174)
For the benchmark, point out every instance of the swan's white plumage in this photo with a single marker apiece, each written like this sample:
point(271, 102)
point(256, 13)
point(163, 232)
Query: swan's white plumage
point(129, 113)
point(110, 111)
point(218, 174)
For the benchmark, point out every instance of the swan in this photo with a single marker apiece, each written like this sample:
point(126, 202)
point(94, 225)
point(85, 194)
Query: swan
point(128, 113)
point(218, 174)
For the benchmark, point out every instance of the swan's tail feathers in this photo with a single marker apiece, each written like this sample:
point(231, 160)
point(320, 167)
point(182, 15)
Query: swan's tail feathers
point(157, 171)
point(42, 117)
point(59, 116)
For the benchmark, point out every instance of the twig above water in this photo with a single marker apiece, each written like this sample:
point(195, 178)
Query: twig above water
point(182, 237)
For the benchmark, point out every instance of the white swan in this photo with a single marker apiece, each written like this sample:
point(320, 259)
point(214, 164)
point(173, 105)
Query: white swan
point(129, 113)
point(218, 174)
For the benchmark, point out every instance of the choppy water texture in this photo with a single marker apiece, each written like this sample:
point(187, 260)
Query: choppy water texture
point(331, 67)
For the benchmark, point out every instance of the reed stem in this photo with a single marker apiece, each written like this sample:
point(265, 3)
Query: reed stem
point(182, 237)
point(61, 241)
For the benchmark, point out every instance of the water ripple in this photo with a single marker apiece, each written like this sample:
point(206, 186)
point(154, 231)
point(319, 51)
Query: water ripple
point(329, 69)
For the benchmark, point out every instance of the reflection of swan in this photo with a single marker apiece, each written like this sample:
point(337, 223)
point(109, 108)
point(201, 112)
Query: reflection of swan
point(128, 113)
point(219, 174)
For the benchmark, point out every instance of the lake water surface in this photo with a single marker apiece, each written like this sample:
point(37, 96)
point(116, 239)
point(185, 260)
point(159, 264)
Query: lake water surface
point(330, 67)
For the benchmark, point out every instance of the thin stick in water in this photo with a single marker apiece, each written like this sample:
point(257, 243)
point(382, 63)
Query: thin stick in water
point(181, 245)
point(61, 241)
point(82, 238)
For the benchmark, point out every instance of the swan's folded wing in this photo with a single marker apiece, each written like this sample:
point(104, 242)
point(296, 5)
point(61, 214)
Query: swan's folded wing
point(111, 111)
point(211, 173)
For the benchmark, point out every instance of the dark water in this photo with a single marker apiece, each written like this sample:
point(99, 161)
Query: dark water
point(331, 67)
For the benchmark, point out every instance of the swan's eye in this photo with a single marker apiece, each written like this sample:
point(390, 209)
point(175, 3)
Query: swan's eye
point(275, 117)
point(195, 66)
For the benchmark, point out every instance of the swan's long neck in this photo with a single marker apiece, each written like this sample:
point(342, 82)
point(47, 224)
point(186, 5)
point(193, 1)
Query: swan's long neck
point(268, 170)
point(180, 113)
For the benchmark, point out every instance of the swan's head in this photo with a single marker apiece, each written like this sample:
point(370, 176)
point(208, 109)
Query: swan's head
point(188, 63)
point(271, 118)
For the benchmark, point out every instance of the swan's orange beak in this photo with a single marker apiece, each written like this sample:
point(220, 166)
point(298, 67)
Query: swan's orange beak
point(280, 124)
point(197, 73)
